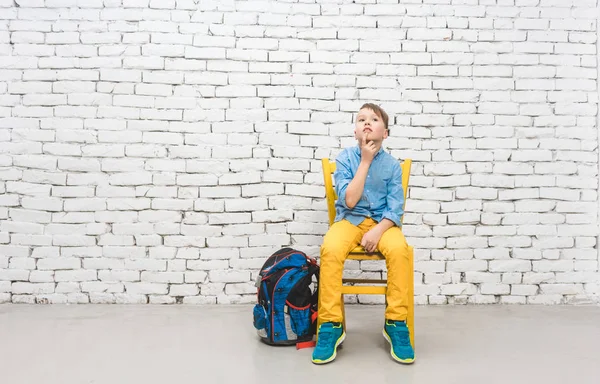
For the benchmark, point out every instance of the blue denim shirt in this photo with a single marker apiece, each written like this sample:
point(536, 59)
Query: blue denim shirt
point(382, 197)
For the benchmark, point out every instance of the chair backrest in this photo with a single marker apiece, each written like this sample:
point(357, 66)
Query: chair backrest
point(329, 169)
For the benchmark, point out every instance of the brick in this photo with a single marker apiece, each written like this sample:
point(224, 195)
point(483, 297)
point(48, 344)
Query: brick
point(162, 277)
point(561, 289)
point(481, 277)
point(466, 265)
point(240, 288)
point(214, 41)
point(146, 288)
point(576, 277)
point(32, 288)
point(495, 289)
point(229, 276)
point(545, 299)
point(524, 290)
point(458, 289)
point(510, 266)
point(75, 275)
point(184, 290)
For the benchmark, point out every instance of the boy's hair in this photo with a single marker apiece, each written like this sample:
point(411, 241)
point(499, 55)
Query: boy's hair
point(379, 112)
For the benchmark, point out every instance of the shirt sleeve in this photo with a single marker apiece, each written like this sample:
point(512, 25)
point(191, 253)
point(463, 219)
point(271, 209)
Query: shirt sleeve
point(395, 196)
point(342, 177)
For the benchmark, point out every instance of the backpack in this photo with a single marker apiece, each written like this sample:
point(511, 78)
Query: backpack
point(286, 311)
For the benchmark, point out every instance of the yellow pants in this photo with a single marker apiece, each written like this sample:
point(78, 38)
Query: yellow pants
point(341, 238)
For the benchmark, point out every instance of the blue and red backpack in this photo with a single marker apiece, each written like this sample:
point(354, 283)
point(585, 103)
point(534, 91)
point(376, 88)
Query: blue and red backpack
point(286, 312)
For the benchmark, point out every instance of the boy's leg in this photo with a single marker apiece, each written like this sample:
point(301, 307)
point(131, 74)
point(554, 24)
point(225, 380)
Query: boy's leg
point(338, 242)
point(395, 249)
point(341, 238)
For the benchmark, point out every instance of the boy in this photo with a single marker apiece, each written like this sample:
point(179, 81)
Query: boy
point(368, 182)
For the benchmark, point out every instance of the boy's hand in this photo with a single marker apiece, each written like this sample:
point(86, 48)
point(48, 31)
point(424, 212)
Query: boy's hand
point(371, 239)
point(367, 150)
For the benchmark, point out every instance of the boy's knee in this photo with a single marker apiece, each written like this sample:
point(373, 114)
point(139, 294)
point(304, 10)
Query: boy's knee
point(398, 249)
point(331, 251)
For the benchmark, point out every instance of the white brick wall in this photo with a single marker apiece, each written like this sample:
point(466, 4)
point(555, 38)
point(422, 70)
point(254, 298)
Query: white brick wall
point(159, 151)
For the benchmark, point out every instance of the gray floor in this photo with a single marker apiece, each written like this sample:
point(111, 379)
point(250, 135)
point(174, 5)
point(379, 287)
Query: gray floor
point(216, 344)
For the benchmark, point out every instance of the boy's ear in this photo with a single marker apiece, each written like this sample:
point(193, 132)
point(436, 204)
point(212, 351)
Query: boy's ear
point(386, 133)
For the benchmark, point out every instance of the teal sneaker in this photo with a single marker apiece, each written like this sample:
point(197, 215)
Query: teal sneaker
point(396, 333)
point(331, 335)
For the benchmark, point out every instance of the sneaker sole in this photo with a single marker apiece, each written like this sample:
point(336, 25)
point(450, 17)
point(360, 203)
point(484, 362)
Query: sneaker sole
point(396, 358)
point(337, 343)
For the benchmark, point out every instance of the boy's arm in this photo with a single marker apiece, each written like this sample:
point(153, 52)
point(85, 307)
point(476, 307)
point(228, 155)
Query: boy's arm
point(357, 185)
point(342, 177)
point(392, 213)
point(350, 189)
point(395, 197)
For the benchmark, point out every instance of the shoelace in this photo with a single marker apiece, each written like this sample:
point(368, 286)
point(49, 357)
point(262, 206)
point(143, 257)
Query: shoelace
point(399, 337)
point(325, 337)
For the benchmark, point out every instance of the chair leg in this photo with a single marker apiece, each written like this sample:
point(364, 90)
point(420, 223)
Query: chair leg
point(411, 298)
point(318, 314)
point(343, 312)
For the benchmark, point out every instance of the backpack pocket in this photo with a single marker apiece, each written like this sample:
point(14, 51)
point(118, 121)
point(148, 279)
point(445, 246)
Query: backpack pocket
point(300, 319)
point(260, 320)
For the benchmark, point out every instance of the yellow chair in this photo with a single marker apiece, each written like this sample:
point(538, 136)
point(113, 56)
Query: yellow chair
point(359, 253)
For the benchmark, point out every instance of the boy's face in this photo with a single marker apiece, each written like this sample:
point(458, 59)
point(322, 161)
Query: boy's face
point(369, 124)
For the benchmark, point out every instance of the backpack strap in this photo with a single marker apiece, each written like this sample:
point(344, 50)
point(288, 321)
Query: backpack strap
point(306, 344)
point(313, 269)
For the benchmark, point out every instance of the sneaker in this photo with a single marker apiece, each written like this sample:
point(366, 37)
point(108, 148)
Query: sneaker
point(331, 335)
point(396, 333)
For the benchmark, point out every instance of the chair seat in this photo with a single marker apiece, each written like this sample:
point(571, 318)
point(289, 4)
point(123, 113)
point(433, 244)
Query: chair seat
point(359, 253)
